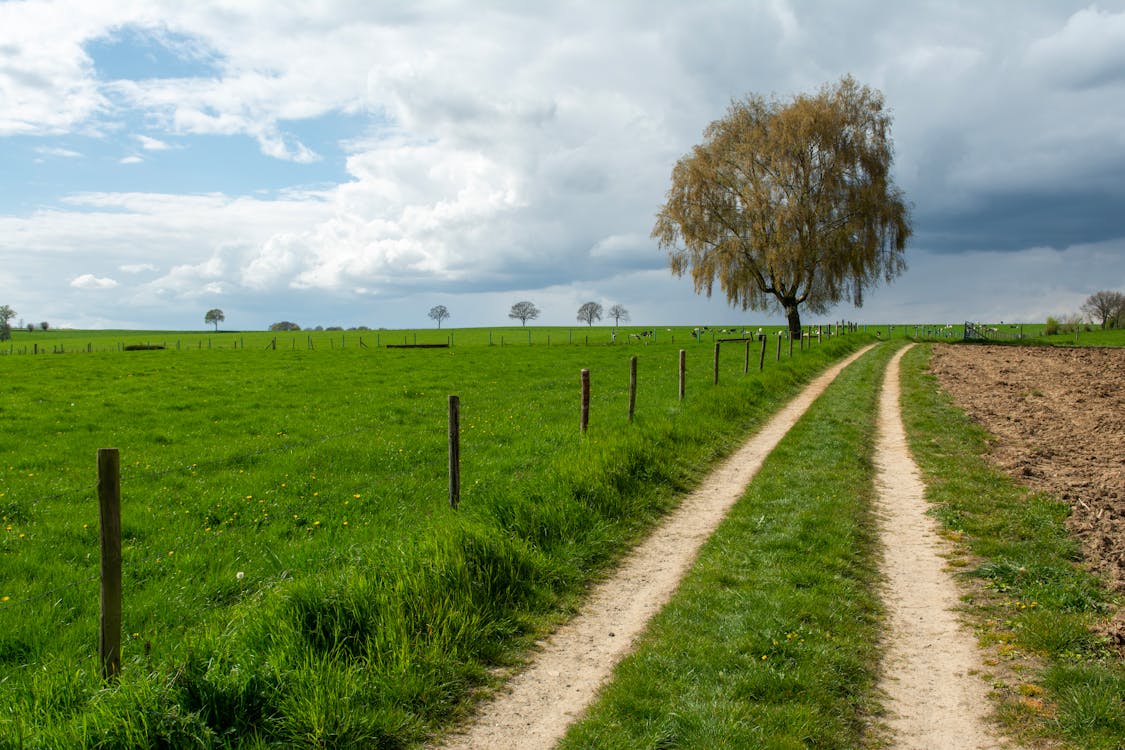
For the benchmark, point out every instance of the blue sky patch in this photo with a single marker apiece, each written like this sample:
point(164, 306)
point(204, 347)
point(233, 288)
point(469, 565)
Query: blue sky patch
point(134, 53)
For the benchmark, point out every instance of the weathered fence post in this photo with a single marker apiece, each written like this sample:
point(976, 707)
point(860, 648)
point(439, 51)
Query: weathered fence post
point(584, 420)
point(717, 363)
point(683, 371)
point(632, 387)
point(790, 343)
point(454, 452)
point(109, 511)
point(746, 358)
point(779, 346)
point(762, 356)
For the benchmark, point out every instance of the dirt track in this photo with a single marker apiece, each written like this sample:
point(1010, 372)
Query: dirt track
point(934, 698)
point(1059, 420)
point(540, 702)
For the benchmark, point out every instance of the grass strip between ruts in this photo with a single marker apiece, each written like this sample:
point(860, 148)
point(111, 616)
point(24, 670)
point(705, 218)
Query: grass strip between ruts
point(1035, 607)
point(771, 640)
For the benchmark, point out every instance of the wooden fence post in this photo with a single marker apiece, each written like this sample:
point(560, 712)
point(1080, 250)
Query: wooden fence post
point(683, 371)
point(717, 363)
point(746, 358)
point(584, 420)
point(454, 452)
point(790, 343)
point(632, 387)
point(762, 356)
point(779, 346)
point(109, 511)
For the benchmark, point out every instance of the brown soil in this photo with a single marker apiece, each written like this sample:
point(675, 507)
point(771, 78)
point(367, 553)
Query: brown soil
point(1058, 417)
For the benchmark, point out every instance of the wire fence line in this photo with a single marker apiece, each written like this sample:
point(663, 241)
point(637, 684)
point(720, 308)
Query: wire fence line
point(7, 605)
point(134, 567)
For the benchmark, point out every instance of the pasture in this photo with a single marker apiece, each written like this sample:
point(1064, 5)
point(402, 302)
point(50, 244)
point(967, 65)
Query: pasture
point(293, 574)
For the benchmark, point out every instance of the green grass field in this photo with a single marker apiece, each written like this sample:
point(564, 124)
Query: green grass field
point(293, 574)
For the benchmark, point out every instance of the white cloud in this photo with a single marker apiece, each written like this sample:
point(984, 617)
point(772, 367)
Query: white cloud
point(152, 144)
point(137, 268)
point(90, 281)
point(62, 153)
point(1088, 51)
point(519, 147)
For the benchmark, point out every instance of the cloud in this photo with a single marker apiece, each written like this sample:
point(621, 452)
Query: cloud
point(152, 144)
point(45, 81)
point(62, 153)
point(1087, 52)
point(90, 281)
point(507, 148)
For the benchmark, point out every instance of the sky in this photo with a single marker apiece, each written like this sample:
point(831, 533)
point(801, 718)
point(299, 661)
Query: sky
point(357, 162)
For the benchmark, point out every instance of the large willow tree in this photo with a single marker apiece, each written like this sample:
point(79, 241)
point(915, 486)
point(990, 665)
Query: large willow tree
point(790, 203)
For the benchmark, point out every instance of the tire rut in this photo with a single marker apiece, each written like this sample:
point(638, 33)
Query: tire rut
point(539, 703)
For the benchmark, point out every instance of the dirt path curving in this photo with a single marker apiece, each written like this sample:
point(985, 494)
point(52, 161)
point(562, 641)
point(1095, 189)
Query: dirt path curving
point(539, 704)
point(934, 697)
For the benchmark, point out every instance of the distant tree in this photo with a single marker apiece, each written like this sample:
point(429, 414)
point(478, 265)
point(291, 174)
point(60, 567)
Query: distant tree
point(44, 326)
point(439, 313)
point(1103, 306)
point(214, 316)
point(30, 327)
point(790, 203)
point(285, 325)
point(618, 313)
point(589, 312)
point(523, 312)
point(6, 314)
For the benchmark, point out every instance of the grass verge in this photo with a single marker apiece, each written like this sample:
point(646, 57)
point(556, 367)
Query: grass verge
point(771, 640)
point(1035, 607)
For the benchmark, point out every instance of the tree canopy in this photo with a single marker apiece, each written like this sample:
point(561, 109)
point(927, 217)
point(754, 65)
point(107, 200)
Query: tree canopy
point(214, 316)
point(589, 312)
point(523, 312)
point(1104, 306)
point(618, 313)
point(439, 313)
point(789, 203)
point(6, 314)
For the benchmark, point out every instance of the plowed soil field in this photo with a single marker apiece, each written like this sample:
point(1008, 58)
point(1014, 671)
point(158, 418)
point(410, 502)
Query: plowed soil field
point(1059, 419)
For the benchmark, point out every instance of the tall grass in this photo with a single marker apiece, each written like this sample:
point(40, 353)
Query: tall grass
point(294, 577)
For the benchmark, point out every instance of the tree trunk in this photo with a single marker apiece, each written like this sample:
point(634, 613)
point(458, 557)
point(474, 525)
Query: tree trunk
point(793, 316)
